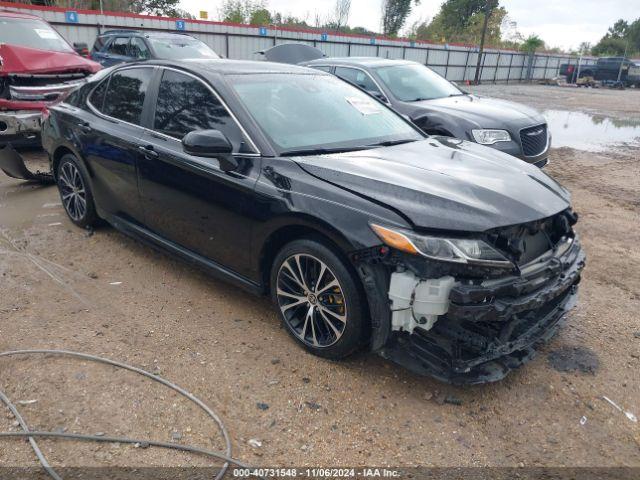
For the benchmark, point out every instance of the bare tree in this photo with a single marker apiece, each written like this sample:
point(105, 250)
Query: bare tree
point(339, 18)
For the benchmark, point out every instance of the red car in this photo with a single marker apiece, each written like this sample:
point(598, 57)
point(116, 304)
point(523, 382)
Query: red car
point(37, 66)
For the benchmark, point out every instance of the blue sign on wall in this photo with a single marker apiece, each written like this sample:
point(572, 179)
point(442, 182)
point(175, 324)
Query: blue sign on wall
point(70, 16)
point(263, 31)
point(181, 25)
point(324, 37)
point(372, 41)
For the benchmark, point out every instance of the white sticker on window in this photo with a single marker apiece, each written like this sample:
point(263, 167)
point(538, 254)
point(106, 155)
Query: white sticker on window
point(46, 34)
point(364, 105)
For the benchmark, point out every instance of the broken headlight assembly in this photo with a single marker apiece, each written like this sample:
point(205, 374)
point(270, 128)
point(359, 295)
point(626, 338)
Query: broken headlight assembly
point(489, 137)
point(456, 250)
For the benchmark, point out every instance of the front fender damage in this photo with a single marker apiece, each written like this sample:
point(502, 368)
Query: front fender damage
point(13, 165)
point(466, 327)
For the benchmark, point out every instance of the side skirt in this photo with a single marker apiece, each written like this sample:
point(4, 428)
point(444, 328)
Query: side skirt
point(209, 266)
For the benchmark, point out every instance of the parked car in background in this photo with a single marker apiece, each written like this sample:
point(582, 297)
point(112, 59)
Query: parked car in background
point(37, 67)
point(606, 69)
point(439, 107)
point(445, 256)
point(118, 46)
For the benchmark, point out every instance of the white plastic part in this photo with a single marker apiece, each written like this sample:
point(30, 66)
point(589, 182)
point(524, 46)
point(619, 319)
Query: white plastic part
point(416, 302)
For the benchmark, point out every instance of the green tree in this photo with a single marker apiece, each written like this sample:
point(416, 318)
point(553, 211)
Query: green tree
point(610, 46)
point(261, 17)
point(622, 36)
point(463, 21)
point(243, 11)
point(532, 43)
point(394, 15)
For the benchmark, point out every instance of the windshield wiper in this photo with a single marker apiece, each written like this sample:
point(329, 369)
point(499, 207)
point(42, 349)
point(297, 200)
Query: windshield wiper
point(390, 143)
point(320, 151)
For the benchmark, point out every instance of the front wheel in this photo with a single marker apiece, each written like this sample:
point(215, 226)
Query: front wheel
point(318, 299)
point(75, 192)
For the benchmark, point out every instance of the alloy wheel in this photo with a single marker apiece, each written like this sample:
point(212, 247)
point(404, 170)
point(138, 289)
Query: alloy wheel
point(311, 300)
point(72, 191)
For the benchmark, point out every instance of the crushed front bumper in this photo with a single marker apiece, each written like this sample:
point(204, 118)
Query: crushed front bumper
point(21, 126)
point(494, 326)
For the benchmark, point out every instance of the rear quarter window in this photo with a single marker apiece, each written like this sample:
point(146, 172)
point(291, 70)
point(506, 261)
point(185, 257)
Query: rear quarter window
point(98, 44)
point(126, 93)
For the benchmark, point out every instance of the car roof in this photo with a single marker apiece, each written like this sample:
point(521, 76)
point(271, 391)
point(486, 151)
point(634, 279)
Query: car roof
point(132, 33)
point(358, 61)
point(207, 66)
point(12, 14)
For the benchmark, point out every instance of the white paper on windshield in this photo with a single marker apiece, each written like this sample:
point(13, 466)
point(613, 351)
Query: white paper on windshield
point(46, 34)
point(364, 105)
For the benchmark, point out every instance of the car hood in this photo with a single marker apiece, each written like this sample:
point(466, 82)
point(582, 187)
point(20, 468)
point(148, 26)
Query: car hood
point(484, 112)
point(17, 59)
point(444, 183)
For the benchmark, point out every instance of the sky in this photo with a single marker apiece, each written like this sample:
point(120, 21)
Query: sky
point(560, 23)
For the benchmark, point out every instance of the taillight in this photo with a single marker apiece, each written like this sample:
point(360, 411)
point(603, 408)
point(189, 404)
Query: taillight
point(45, 113)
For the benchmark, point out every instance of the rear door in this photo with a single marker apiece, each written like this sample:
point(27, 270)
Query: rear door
point(112, 140)
point(189, 200)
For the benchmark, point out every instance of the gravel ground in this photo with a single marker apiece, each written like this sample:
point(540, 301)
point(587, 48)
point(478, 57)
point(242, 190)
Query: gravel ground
point(109, 295)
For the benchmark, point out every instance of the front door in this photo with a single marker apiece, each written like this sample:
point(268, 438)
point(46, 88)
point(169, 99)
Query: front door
point(190, 200)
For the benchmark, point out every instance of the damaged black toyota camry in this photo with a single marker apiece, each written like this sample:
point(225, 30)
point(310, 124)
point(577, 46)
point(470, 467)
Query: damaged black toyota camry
point(450, 258)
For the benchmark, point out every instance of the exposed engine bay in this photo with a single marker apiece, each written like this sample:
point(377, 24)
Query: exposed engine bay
point(465, 324)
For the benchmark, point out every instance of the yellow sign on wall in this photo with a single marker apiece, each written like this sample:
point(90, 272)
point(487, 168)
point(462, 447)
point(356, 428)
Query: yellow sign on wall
point(204, 15)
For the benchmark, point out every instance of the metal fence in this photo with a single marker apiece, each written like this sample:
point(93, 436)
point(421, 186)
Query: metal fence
point(454, 62)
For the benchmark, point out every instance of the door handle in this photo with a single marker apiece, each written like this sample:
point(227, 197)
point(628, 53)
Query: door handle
point(148, 151)
point(85, 127)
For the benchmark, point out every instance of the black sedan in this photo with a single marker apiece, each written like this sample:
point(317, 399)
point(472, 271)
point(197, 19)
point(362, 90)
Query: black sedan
point(447, 257)
point(440, 108)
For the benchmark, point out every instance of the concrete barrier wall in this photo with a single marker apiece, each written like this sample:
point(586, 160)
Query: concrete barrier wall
point(455, 62)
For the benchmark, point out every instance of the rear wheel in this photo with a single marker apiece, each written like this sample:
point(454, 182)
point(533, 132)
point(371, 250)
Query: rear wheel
point(75, 192)
point(318, 299)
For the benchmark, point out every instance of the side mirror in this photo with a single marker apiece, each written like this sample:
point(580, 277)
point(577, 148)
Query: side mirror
point(210, 144)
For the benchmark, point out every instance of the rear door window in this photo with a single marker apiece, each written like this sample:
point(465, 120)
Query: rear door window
point(119, 46)
point(185, 104)
point(125, 96)
point(97, 96)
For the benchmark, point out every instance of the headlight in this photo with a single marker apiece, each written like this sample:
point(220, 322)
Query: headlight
point(458, 250)
point(489, 137)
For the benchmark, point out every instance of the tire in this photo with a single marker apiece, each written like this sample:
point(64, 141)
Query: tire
point(332, 310)
point(75, 192)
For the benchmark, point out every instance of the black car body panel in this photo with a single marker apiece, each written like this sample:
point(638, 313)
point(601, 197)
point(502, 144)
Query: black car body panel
point(231, 222)
point(454, 116)
point(454, 189)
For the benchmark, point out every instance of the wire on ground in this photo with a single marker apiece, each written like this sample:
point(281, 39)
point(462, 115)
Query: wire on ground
point(226, 456)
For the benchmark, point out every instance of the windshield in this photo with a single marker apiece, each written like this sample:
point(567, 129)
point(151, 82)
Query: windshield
point(30, 33)
point(179, 47)
point(318, 112)
point(414, 82)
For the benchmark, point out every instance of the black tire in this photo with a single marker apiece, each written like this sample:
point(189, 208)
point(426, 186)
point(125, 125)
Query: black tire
point(329, 305)
point(75, 192)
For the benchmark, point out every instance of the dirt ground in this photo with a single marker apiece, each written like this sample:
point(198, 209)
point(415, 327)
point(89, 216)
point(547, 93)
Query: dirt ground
point(103, 293)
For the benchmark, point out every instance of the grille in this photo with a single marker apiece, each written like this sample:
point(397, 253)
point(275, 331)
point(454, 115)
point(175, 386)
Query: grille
point(534, 140)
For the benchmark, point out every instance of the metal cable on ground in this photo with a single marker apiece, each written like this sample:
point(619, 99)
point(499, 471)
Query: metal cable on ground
point(26, 433)
point(36, 449)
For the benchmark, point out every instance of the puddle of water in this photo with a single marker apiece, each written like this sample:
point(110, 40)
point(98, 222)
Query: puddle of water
point(594, 133)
